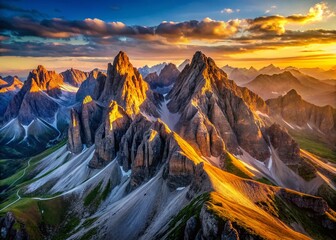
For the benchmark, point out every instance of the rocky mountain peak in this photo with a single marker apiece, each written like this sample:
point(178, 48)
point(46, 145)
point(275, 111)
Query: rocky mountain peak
point(162, 83)
point(202, 95)
point(44, 80)
point(183, 64)
point(286, 74)
point(124, 84)
point(298, 112)
point(270, 69)
point(94, 73)
point(10, 83)
point(199, 59)
point(169, 67)
point(41, 68)
point(293, 95)
point(203, 73)
point(122, 63)
point(74, 77)
point(253, 69)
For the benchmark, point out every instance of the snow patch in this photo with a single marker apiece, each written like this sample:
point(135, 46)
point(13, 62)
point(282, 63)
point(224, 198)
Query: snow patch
point(8, 124)
point(149, 117)
point(180, 188)
point(288, 124)
point(69, 88)
point(167, 117)
point(262, 114)
point(127, 174)
point(26, 127)
point(13, 138)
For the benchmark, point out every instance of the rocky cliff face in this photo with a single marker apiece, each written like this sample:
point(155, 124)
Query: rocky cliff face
point(84, 122)
point(40, 97)
point(132, 139)
point(90, 118)
point(9, 86)
point(221, 113)
point(74, 77)
point(12, 229)
point(33, 99)
point(125, 94)
point(125, 85)
point(166, 78)
point(108, 135)
point(183, 64)
point(75, 143)
point(37, 115)
point(152, 78)
point(88, 86)
point(289, 152)
point(296, 111)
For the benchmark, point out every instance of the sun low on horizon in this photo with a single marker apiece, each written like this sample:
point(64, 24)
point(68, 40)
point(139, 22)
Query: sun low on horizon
point(248, 33)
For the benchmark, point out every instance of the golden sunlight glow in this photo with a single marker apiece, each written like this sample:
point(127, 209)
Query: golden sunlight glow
point(114, 113)
point(153, 134)
point(74, 122)
point(87, 99)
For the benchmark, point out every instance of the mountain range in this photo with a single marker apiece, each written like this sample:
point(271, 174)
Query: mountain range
point(37, 112)
point(245, 75)
point(169, 153)
point(271, 82)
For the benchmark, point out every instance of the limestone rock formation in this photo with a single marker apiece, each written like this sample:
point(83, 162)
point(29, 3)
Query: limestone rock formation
point(74, 77)
point(40, 97)
point(9, 86)
point(218, 109)
point(124, 84)
point(183, 64)
point(87, 87)
point(289, 151)
point(163, 82)
point(33, 99)
point(99, 86)
point(145, 70)
point(150, 154)
point(108, 135)
point(9, 230)
point(132, 139)
point(90, 118)
point(298, 112)
point(75, 143)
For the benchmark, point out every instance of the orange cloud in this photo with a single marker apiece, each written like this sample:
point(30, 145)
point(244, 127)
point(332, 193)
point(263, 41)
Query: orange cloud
point(277, 23)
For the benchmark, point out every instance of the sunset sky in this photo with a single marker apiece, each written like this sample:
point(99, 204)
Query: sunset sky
point(88, 34)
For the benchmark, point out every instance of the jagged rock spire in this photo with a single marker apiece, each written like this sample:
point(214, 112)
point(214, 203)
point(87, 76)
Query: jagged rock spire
point(124, 84)
point(74, 133)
